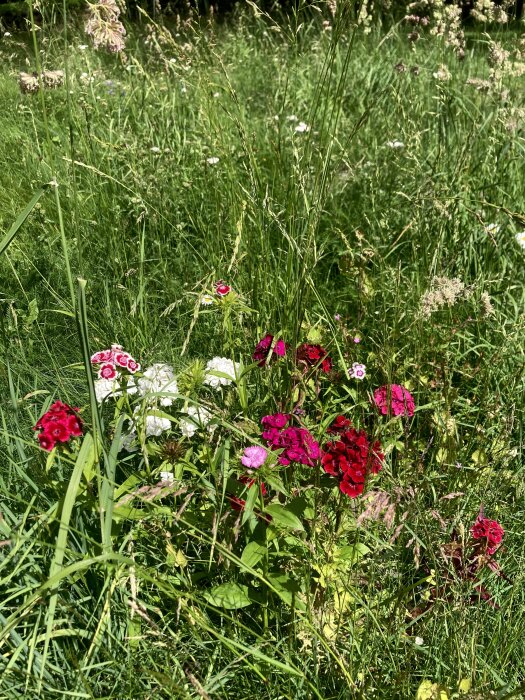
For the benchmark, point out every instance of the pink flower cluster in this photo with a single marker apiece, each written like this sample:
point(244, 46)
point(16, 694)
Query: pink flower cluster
point(113, 361)
point(263, 347)
point(59, 424)
point(488, 531)
point(394, 399)
point(297, 444)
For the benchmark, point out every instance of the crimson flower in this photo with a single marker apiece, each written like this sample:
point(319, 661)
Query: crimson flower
point(351, 457)
point(313, 356)
point(59, 424)
point(489, 531)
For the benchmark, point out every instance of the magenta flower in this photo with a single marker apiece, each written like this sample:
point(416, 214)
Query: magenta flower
point(297, 444)
point(254, 457)
point(262, 349)
point(394, 399)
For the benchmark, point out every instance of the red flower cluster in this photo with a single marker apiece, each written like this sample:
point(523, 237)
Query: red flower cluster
point(297, 444)
point(113, 361)
point(58, 424)
point(351, 457)
point(262, 349)
point(490, 531)
point(394, 399)
point(314, 356)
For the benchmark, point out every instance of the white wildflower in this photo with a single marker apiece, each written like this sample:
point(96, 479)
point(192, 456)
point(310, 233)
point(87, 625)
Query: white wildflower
point(520, 238)
point(419, 641)
point(155, 149)
point(301, 128)
point(492, 228)
point(212, 161)
point(159, 378)
point(105, 388)
point(207, 300)
point(197, 418)
point(167, 477)
point(291, 118)
point(219, 366)
point(395, 144)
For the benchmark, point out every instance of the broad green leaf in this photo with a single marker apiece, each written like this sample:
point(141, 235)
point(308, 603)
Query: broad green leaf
point(282, 517)
point(229, 595)
point(253, 553)
point(287, 589)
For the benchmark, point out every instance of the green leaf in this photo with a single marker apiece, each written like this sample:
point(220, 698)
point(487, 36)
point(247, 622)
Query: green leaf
point(229, 595)
point(9, 236)
point(286, 588)
point(282, 517)
point(351, 552)
point(253, 553)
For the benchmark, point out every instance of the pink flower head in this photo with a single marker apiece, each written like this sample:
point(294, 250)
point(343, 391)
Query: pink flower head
point(296, 444)
point(101, 356)
point(262, 349)
point(121, 359)
point(133, 366)
point(357, 371)
point(107, 371)
point(394, 399)
point(254, 457)
point(277, 420)
point(222, 289)
point(488, 530)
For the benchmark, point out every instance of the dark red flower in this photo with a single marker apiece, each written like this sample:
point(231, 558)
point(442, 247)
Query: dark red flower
point(313, 356)
point(351, 457)
point(46, 442)
point(222, 289)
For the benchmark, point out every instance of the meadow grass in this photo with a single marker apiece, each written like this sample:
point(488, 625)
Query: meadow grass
point(327, 234)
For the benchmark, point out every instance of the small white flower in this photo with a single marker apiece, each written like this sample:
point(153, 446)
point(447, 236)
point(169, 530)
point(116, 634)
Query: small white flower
point(395, 144)
point(197, 418)
point(207, 300)
point(167, 477)
point(301, 128)
point(82, 47)
point(292, 118)
point(155, 149)
point(220, 365)
point(216, 94)
point(8, 34)
point(492, 228)
point(357, 371)
point(212, 161)
point(419, 641)
point(158, 378)
point(520, 238)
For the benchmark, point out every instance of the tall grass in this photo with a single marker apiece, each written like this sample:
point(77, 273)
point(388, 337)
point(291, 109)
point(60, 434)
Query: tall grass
point(105, 597)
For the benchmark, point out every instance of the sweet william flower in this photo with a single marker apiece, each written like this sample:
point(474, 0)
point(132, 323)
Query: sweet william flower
point(254, 457)
point(394, 399)
point(222, 289)
point(263, 347)
point(107, 371)
point(488, 531)
point(357, 371)
point(221, 365)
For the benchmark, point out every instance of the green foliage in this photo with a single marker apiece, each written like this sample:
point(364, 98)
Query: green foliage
point(116, 583)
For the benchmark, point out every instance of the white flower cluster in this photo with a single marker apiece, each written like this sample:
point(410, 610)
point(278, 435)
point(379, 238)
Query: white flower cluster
point(157, 379)
point(220, 371)
point(197, 418)
point(105, 388)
